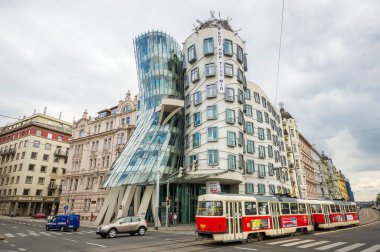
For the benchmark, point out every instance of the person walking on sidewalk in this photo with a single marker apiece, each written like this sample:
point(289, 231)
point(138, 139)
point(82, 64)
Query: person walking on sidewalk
point(171, 219)
point(174, 219)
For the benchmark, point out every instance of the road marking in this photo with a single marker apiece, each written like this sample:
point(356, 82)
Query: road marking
point(69, 240)
point(22, 234)
point(21, 249)
point(5, 241)
point(14, 227)
point(296, 243)
point(282, 241)
point(348, 248)
point(34, 234)
point(96, 244)
point(340, 230)
point(44, 233)
point(245, 248)
point(336, 244)
point(313, 244)
point(9, 235)
point(372, 249)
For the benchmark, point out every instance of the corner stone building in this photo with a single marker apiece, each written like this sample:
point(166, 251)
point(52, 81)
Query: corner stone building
point(94, 146)
point(33, 156)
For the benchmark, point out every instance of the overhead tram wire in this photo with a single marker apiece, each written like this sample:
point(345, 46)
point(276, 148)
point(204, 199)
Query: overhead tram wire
point(279, 50)
point(9, 117)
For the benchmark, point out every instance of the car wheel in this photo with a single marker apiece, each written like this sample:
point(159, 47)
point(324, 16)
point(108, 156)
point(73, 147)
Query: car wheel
point(103, 235)
point(47, 228)
point(75, 229)
point(141, 231)
point(112, 233)
point(62, 229)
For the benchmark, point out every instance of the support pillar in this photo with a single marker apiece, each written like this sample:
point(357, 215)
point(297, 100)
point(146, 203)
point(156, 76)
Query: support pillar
point(137, 198)
point(28, 209)
point(41, 207)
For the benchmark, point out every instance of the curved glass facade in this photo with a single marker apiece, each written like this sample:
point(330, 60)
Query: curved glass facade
point(152, 147)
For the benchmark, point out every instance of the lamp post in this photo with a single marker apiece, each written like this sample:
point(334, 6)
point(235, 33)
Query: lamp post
point(157, 199)
point(167, 193)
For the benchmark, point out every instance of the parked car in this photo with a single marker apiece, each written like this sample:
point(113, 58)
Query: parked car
point(39, 216)
point(63, 222)
point(130, 224)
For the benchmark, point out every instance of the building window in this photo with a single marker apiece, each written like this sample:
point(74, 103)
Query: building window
point(249, 128)
point(212, 112)
point(211, 91)
point(250, 166)
point(208, 46)
point(187, 120)
point(241, 139)
point(228, 49)
point(240, 97)
point(197, 98)
point(240, 54)
point(270, 151)
point(240, 117)
point(230, 116)
point(257, 97)
point(41, 180)
point(26, 192)
point(261, 133)
point(247, 94)
point(38, 133)
point(31, 167)
point(186, 81)
point(191, 54)
point(36, 144)
point(228, 70)
point(34, 155)
point(60, 138)
point(240, 76)
point(186, 141)
point(261, 152)
point(231, 162)
point(270, 169)
point(248, 110)
point(50, 135)
point(28, 179)
point(187, 101)
point(250, 146)
point(231, 138)
point(261, 188)
point(261, 170)
point(194, 75)
point(210, 69)
point(266, 117)
point(259, 116)
point(196, 140)
point(54, 170)
point(197, 119)
point(212, 134)
point(241, 161)
point(248, 188)
point(45, 157)
point(43, 168)
point(269, 134)
point(230, 94)
point(264, 102)
point(272, 190)
point(213, 157)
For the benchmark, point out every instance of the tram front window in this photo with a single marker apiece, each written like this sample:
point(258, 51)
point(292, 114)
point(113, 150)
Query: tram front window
point(210, 208)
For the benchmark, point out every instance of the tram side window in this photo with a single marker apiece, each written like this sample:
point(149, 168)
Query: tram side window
point(285, 208)
point(250, 208)
point(263, 208)
point(316, 208)
point(210, 208)
point(293, 208)
point(302, 208)
point(333, 209)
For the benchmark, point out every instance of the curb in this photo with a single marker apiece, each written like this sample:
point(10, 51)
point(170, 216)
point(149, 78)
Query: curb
point(2, 237)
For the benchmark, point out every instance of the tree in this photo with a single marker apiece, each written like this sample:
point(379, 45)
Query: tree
point(378, 199)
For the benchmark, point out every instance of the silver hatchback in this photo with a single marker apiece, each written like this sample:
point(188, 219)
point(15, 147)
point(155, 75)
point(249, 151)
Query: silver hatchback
point(130, 224)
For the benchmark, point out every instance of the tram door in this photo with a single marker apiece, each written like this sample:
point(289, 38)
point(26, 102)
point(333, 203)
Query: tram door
point(308, 210)
point(234, 220)
point(326, 211)
point(275, 212)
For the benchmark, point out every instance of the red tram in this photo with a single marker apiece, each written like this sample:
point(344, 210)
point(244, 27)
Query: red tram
point(226, 217)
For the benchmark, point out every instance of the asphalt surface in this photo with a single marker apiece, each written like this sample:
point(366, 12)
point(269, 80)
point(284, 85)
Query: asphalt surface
point(22, 235)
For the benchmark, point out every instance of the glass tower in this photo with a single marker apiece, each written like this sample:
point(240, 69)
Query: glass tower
point(155, 144)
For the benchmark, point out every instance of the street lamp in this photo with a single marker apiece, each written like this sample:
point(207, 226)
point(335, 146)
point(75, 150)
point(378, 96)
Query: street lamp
point(167, 192)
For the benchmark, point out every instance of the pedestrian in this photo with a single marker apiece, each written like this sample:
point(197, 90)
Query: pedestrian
point(171, 219)
point(92, 216)
point(174, 219)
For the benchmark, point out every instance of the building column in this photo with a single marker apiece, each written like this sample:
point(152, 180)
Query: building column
point(28, 209)
point(41, 207)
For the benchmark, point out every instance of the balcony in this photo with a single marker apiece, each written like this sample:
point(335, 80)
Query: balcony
point(8, 151)
point(53, 186)
point(61, 153)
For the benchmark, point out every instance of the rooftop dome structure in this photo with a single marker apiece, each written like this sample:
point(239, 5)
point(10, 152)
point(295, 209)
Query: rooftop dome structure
point(285, 114)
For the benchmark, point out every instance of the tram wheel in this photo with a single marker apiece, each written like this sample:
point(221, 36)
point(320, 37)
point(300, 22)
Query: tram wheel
point(260, 236)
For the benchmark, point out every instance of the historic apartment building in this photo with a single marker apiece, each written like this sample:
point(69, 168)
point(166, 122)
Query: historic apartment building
point(296, 169)
point(33, 159)
point(95, 144)
point(322, 191)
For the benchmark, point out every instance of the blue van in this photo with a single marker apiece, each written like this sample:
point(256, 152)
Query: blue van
point(63, 222)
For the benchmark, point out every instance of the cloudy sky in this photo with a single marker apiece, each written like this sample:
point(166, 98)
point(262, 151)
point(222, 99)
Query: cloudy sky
point(76, 55)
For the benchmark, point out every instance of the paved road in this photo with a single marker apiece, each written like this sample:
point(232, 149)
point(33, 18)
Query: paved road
point(22, 235)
